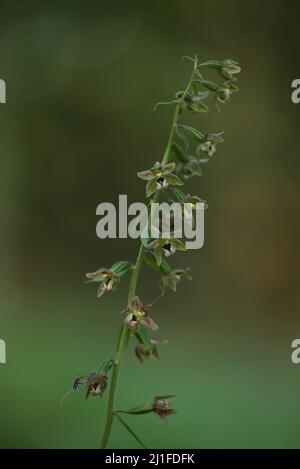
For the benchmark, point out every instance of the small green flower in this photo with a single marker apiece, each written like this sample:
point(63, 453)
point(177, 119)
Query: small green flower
point(194, 101)
point(171, 280)
point(159, 177)
point(227, 68)
point(107, 278)
point(190, 202)
point(166, 247)
point(210, 142)
point(223, 94)
point(191, 167)
point(137, 314)
point(161, 406)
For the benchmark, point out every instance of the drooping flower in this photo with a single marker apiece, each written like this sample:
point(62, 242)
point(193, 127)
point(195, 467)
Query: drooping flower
point(143, 353)
point(136, 314)
point(159, 177)
point(94, 384)
point(194, 101)
point(227, 68)
point(107, 278)
point(161, 406)
point(210, 142)
point(165, 247)
point(191, 167)
point(223, 94)
point(171, 280)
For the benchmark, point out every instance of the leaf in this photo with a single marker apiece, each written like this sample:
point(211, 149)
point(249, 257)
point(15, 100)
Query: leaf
point(151, 261)
point(193, 132)
point(180, 152)
point(182, 137)
point(133, 434)
point(122, 267)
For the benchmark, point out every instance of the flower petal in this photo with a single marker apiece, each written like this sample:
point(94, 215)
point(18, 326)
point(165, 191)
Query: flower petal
point(151, 187)
point(173, 180)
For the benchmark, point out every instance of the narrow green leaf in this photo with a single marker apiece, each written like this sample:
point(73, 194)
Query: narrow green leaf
point(133, 434)
point(151, 261)
point(121, 267)
point(180, 153)
point(193, 132)
point(182, 137)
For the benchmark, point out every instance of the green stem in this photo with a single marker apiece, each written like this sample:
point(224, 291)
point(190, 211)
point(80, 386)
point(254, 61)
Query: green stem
point(123, 341)
point(125, 332)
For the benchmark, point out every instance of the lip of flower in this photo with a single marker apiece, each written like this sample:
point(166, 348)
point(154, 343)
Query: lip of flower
point(208, 147)
point(171, 280)
point(96, 384)
point(229, 70)
point(169, 250)
point(166, 247)
point(223, 95)
point(162, 183)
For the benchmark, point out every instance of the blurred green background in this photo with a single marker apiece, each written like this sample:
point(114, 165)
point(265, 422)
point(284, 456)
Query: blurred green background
point(82, 79)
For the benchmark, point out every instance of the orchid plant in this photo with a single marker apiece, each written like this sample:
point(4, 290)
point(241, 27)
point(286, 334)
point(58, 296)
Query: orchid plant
point(162, 180)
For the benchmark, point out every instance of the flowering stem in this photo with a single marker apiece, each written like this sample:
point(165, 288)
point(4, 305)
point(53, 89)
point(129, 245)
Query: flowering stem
point(125, 331)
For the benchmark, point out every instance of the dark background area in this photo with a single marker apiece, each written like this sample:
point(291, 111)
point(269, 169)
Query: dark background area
point(82, 80)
